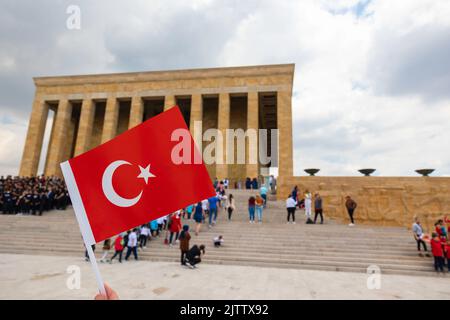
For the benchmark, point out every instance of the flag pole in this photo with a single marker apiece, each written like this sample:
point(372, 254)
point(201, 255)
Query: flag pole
point(98, 276)
point(83, 221)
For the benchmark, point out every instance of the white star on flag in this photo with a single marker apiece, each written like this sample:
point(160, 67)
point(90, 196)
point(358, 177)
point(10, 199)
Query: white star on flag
point(145, 173)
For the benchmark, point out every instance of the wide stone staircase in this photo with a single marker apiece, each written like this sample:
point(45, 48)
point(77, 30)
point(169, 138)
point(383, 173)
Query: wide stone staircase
point(331, 246)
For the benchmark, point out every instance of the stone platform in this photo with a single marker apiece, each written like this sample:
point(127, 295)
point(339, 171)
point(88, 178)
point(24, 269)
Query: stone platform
point(44, 277)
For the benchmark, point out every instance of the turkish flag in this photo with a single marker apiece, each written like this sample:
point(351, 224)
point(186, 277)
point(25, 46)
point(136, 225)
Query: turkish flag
point(136, 177)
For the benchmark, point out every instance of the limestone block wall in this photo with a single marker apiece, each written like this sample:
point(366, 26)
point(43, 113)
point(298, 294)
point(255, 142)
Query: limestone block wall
point(209, 122)
point(386, 201)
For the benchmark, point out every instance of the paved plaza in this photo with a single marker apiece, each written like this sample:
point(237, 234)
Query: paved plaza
point(45, 277)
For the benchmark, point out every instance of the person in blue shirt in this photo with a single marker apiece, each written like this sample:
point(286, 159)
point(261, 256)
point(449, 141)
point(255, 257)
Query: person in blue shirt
point(212, 210)
point(263, 192)
point(154, 228)
point(189, 210)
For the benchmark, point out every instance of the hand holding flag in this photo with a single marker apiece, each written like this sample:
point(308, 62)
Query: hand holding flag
point(132, 179)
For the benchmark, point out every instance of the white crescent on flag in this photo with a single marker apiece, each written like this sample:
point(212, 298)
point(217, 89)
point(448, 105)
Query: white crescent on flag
point(108, 188)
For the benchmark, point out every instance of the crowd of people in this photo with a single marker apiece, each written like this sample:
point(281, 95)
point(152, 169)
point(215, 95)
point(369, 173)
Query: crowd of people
point(35, 195)
point(439, 242)
point(32, 195)
point(171, 228)
point(295, 201)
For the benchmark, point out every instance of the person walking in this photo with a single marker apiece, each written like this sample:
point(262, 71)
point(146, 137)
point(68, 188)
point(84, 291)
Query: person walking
point(118, 247)
point(132, 245)
point(251, 208)
point(418, 236)
point(106, 248)
point(198, 217)
point(318, 209)
point(259, 204)
point(291, 205)
point(351, 205)
point(143, 236)
point(230, 206)
point(189, 210)
point(205, 208)
point(86, 255)
point(175, 227)
point(154, 229)
point(213, 210)
point(184, 243)
point(263, 192)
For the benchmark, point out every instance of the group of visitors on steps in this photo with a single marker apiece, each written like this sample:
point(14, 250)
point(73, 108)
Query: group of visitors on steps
point(25, 195)
point(439, 242)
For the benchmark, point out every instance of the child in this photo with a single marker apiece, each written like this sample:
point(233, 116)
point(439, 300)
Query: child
point(118, 247)
point(189, 210)
point(438, 254)
point(184, 243)
point(160, 222)
point(106, 248)
point(154, 228)
point(447, 254)
point(218, 241)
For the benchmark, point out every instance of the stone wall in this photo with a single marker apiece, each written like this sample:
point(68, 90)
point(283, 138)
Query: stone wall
point(386, 201)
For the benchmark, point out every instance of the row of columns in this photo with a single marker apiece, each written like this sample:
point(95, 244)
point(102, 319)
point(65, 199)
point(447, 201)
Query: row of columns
point(55, 156)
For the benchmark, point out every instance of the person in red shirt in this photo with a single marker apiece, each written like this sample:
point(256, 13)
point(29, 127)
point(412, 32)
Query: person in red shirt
point(447, 254)
point(118, 248)
point(175, 226)
point(438, 253)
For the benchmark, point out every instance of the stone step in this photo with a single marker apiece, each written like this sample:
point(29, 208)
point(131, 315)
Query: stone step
point(248, 253)
point(265, 242)
point(312, 265)
point(331, 246)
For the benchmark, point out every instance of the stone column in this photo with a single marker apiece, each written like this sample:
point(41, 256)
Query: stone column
point(136, 112)
point(34, 139)
point(58, 141)
point(223, 123)
point(196, 115)
point(284, 123)
point(252, 131)
point(85, 126)
point(111, 119)
point(169, 102)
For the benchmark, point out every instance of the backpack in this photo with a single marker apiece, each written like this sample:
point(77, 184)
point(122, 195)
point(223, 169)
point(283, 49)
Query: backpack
point(309, 221)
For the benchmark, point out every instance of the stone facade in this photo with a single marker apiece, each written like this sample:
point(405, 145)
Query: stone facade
point(92, 109)
point(387, 201)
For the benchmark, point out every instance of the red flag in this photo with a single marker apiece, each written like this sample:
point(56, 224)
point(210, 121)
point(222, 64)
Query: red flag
point(132, 179)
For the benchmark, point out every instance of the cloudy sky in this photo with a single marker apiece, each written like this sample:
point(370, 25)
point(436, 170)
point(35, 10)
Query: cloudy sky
point(372, 78)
